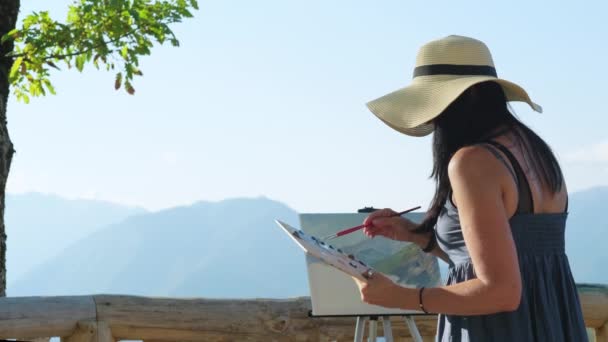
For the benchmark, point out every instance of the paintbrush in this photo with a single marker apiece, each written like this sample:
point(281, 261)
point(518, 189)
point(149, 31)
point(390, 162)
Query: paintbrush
point(354, 229)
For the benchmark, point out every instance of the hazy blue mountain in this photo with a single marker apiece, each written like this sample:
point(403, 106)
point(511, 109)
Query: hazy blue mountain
point(231, 248)
point(587, 235)
point(40, 226)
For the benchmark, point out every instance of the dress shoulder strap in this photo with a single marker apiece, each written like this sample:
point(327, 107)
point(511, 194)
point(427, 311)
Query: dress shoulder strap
point(525, 203)
point(499, 156)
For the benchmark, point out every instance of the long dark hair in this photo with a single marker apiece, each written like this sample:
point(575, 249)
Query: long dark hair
point(480, 114)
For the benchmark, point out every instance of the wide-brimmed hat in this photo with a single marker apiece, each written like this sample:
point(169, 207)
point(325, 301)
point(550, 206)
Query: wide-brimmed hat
point(445, 68)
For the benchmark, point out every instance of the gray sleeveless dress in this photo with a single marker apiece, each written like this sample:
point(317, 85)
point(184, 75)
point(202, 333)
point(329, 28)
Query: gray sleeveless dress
point(549, 308)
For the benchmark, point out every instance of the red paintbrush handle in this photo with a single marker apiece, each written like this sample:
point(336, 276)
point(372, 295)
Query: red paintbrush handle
point(350, 230)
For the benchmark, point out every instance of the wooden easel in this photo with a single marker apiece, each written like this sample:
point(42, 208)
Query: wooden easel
point(386, 325)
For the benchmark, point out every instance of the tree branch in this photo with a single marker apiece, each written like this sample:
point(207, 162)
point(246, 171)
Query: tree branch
point(77, 53)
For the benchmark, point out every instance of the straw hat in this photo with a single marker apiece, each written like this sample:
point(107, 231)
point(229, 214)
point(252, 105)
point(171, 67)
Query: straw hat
point(445, 68)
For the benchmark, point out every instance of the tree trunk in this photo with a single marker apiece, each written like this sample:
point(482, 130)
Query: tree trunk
point(9, 9)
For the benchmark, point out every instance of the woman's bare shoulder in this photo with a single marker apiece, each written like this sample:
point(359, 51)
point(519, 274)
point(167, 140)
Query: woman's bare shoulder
point(474, 160)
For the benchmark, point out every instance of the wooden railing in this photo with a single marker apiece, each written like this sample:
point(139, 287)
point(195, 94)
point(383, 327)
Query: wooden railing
point(104, 318)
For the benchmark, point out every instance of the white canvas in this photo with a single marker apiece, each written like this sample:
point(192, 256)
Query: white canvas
point(334, 293)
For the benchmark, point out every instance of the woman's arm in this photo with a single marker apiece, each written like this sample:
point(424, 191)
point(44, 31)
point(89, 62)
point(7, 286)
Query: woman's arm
point(422, 241)
point(387, 223)
point(477, 181)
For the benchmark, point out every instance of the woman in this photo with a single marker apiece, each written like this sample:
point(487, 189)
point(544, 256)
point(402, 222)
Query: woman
point(499, 211)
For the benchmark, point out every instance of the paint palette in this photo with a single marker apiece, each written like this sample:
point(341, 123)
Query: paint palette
point(329, 254)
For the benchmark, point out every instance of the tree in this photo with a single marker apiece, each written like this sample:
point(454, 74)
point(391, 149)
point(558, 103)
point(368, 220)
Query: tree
point(109, 34)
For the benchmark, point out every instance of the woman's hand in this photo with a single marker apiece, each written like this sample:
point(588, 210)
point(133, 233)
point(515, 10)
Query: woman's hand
point(380, 290)
point(387, 223)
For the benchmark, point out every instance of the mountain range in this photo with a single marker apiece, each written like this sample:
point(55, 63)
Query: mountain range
point(228, 249)
point(40, 226)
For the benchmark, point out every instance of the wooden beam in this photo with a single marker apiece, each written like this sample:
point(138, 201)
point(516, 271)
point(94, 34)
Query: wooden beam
point(104, 333)
point(26, 317)
point(594, 301)
point(601, 333)
point(111, 317)
point(90, 331)
point(85, 332)
point(218, 319)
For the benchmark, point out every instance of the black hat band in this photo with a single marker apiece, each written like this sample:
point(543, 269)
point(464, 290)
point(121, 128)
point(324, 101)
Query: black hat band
point(455, 69)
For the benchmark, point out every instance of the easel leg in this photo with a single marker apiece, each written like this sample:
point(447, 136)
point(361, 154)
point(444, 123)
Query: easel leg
point(388, 329)
point(360, 328)
point(373, 329)
point(413, 328)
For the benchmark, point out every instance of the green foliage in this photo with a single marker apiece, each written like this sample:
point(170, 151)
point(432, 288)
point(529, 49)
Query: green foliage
point(110, 34)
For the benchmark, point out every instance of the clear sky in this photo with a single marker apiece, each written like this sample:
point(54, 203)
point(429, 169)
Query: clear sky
point(267, 98)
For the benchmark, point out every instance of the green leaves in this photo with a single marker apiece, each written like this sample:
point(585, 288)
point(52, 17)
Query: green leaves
point(108, 33)
point(80, 60)
point(11, 35)
point(14, 73)
point(124, 52)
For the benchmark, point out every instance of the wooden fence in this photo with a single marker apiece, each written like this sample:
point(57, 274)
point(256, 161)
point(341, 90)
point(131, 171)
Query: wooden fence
point(105, 318)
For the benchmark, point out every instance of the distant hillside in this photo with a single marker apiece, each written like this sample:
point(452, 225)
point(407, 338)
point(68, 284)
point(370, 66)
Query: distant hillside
point(586, 235)
point(40, 226)
point(231, 248)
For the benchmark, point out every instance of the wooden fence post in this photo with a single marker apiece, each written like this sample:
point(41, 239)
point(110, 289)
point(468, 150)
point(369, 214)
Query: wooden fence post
point(90, 331)
point(601, 333)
